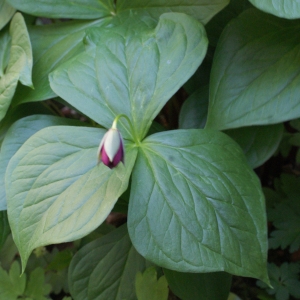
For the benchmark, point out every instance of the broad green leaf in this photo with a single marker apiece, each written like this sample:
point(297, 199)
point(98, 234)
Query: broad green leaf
point(12, 284)
point(289, 9)
point(106, 268)
point(75, 9)
point(259, 143)
point(6, 12)
point(193, 113)
point(201, 10)
point(56, 192)
point(132, 72)
point(36, 287)
point(4, 228)
point(255, 75)
point(15, 137)
point(148, 287)
point(196, 205)
point(19, 64)
point(199, 286)
point(52, 45)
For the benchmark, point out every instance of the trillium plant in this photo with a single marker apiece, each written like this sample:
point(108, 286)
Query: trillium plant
point(155, 111)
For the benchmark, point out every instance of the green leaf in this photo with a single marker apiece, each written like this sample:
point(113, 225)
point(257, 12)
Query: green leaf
point(106, 268)
point(217, 24)
point(255, 75)
point(193, 113)
point(12, 285)
point(15, 113)
point(199, 286)
point(15, 137)
point(284, 280)
point(233, 296)
point(289, 9)
point(36, 287)
point(56, 192)
point(8, 253)
point(52, 45)
point(19, 64)
point(6, 12)
point(259, 143)
point(58, 280)
point(199, 9)
point(112, 77)
point(148, 287)
point(5, 44)
point(75, 9)
point(289, 186)
point(4, 228)
point(196, 205)
point(286, 219)
point(61, 260)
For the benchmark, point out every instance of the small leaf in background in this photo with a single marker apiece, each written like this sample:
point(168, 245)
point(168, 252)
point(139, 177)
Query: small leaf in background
point(295, 124)
point(199, 286)
point(4, 228)
point(247, 85)
point(36, 287)
point(112, 78)
point(75, 9)
point(8, 253)
point(259, 143)
point(106, 268)
point(196, 205)
point(289, 9)
point(19, 64)
point(294, 138)
point(193, 112)
point(149, 287)
point(12, 285)
point(286, 220)
point(58, 281)
point(233, 296)
point(6, 12)
point(64, 195)
point(284, 279)
point(61, 260)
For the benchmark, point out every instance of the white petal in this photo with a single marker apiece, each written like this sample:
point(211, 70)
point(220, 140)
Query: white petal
point(112, 143)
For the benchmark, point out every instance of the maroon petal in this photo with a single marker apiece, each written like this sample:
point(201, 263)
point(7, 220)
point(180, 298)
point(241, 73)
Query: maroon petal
point(119, 155)
point(104, 158)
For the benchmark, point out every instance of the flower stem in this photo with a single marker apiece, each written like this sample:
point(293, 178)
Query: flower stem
point(115, 122)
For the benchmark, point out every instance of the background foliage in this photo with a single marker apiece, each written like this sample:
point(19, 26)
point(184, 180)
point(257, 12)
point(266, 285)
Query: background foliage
point(211, 90)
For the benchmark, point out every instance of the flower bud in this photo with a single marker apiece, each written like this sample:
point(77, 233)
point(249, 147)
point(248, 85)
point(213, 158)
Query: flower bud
point(111, 148)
